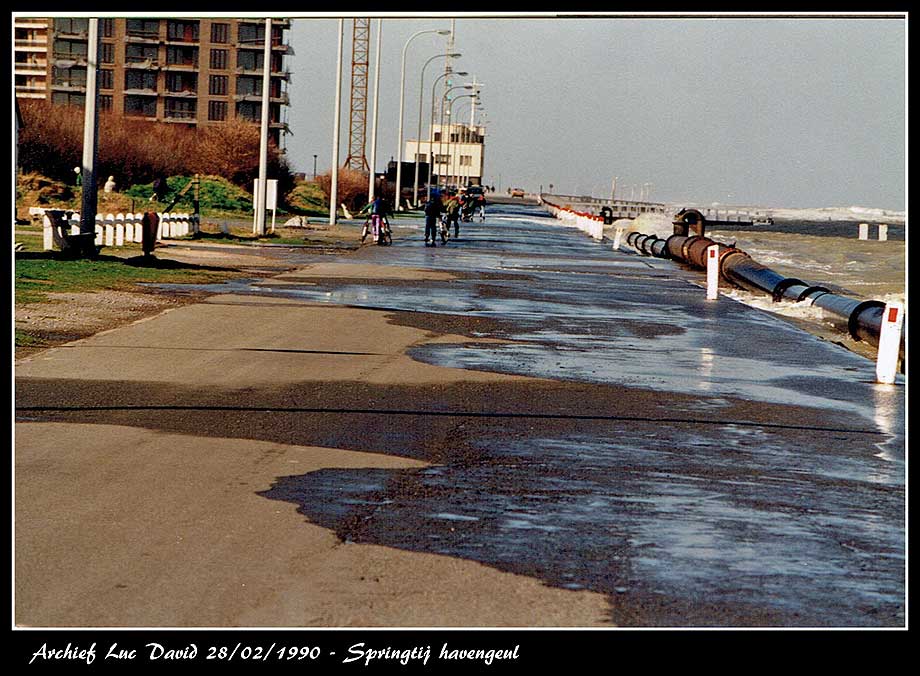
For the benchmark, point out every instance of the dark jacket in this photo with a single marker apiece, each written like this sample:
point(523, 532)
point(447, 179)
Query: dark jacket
point(434, 207)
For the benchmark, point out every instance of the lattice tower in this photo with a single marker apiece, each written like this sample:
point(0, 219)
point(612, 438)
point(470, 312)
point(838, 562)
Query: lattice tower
point(360, 48)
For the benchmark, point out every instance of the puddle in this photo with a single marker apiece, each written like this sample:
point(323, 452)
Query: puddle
point(739, 518)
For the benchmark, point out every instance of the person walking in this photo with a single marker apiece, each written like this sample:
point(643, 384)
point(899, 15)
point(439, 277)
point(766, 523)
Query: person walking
point(433, 209)
point(453, 214)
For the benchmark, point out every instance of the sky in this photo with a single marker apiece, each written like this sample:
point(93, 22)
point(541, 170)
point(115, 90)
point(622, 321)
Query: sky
point(777, 112)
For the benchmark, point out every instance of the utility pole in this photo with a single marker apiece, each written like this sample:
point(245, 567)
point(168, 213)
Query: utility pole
point(372, 182)
point(89, 198)
point(334, 188)
point(263, 136)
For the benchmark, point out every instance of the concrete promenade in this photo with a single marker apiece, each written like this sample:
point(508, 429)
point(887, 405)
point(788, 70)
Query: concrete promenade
point(521, 428)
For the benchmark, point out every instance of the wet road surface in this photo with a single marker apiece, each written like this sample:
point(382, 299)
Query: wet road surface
point(701, 463)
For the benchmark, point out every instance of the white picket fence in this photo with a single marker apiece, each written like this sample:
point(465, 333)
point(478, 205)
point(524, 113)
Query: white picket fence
point(123, 229)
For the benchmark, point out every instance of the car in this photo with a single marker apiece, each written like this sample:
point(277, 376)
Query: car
point(517, 192)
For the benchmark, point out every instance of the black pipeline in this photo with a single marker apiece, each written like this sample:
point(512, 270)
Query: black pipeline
point(861, 319)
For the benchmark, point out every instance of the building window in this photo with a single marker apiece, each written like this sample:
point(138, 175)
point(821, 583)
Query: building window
point(107, 52)
point(140, 53)
point(251, 33)
point(421, 157)
point(441, 159)
point(143, 28)
point(219, 58)
point(106, 78)
point(220, 33)
point(182, 56)
point(68, 77)
point(68, 99)
point(180, 109)
point(181, 82)
point(140, 79)
point(249, 110)
point(71, 26)
point(437, 137)
point(247, 60)
point(107, 27)
point(105, 102)
point(182, 31)
point(65, 49)
point(217, 85)
point(217, 110)
point(249, 86)
point(140, 106)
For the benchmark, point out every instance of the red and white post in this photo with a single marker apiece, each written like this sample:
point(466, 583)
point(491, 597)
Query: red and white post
point(889, 343)
point(712, 272)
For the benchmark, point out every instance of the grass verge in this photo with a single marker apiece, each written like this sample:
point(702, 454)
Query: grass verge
point(38, 274)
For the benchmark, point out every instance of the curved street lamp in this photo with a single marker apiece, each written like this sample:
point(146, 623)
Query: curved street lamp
point(461, 73)
point(460, 175)
point(402, 97)
point(441, 119)
point(450, 164)
point(421, 96)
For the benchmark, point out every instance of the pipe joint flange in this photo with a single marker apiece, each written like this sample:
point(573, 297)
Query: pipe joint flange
point(810, 290)
point(853, 321)
point(685, 248)
point(783, 285)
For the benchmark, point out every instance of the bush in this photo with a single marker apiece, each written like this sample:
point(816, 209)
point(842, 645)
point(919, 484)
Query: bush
point(137, 151)
point(352, 190)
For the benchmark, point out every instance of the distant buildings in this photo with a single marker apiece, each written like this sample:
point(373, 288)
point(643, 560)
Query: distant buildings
point(457, 152)
point(195, 72)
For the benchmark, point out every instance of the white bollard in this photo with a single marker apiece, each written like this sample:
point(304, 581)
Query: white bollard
point(889, 343)
point(47, 234)
point(863, 231)
point(617, 236)
point(712, 272)
point(882, 232)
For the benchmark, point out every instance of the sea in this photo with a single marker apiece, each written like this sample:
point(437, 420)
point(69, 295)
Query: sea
point(821, 247)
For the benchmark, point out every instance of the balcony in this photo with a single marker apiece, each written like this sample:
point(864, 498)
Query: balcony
point(33, 44)
point(149, 37)
point(30, 68)
point(70, 34)
point(182, 66)
point(143, 64)
point(68, 87)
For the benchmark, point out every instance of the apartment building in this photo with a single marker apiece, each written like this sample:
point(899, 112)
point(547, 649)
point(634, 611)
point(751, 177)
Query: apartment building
point(194, 72)
point(30, 63)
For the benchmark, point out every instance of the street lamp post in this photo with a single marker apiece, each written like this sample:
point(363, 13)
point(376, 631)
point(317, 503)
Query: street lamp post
point(421, 96)
point(450, 107)
point(372, 180)
point(431, 126)
point(334, 188)
point(314, 167)
point(263, 135)
point(441, 119)
point(89, 198)
point(402, 97)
